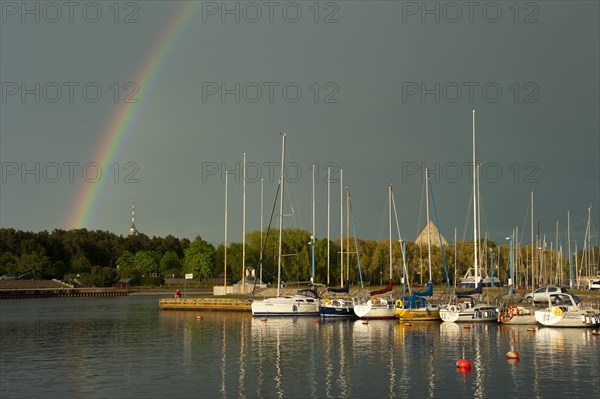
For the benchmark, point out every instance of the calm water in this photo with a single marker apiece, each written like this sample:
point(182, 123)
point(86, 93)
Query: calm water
point(126, 347)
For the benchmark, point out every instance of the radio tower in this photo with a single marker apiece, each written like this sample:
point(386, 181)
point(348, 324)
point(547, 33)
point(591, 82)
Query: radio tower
point(132, 230)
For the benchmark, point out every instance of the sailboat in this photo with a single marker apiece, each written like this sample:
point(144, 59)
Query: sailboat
point(415, 307)
point(463, 307)
point(335, 307)
point(305, 302)
point(379, 308)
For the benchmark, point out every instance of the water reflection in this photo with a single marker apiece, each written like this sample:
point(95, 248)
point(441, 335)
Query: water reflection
point(104, 348)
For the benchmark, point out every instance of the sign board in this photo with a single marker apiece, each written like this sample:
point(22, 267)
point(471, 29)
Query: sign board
point(189, 276)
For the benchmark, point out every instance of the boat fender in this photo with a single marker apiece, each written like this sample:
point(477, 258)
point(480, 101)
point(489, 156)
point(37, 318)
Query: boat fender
point(399, 303)
point(558, 312)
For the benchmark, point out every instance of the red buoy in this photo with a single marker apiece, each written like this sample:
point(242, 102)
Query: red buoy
point(317, 321)
point(463, 364)
point(512, 355)
point(199, 317)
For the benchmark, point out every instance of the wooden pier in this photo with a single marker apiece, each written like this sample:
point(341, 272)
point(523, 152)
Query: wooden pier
point(221, 304)
point(62, 293)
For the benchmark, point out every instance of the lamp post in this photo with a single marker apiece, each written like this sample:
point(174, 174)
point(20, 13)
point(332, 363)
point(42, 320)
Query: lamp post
point(512, 276)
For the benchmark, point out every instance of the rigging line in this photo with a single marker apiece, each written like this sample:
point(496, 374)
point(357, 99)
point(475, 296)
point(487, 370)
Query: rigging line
point(263, 246)
point(418, 230)
point(439, 236)
point(402, 246)
point(356, 245)
point(468, 218)
point(382, 221)
point(297, 209)
point(525, 220)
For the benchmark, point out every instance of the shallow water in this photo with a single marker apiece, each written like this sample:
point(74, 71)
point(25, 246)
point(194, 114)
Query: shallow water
point(126, 347)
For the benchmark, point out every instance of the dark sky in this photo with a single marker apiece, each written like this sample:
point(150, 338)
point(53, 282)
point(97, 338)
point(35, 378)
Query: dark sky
point(379, 89)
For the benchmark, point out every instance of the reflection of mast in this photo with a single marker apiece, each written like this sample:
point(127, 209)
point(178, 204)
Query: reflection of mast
point(224, 360)
point(132, 230)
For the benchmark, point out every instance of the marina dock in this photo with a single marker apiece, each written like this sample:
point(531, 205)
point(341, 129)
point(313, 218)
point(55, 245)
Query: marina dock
point(210, 304)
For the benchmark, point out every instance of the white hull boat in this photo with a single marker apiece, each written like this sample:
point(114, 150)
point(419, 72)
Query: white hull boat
point(469, 311)
point(375, 309)
point(295, 305)
point(564, 310)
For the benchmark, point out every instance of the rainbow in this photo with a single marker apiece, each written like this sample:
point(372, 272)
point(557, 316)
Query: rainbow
point(123, 120)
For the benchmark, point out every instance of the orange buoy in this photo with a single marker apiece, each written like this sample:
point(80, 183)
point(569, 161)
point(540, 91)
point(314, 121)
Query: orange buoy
point(264, 318)
point(513, 355)
point(464, 364)
point(408, 324)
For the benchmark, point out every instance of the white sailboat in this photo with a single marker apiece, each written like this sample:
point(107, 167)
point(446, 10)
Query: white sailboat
point(306, 302)
point(462, 307)
point(378, 308)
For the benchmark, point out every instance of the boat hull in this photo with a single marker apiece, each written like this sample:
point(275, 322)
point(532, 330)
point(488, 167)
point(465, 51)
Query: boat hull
point(337, 309)
point(556, 317)
point(285, 306)
point(420, 314)
point(516, 315)
point(480, 314)
point(380, 310)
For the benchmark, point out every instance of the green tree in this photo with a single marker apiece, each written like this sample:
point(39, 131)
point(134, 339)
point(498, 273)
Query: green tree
point(99, 277)
point(33, 263)
point(80, 264)
point(199, 259)
point(8, 264)
point(146, 261)
point(170, 260)
point(126, 264)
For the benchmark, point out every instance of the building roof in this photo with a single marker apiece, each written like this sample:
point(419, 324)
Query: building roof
point(433, 231)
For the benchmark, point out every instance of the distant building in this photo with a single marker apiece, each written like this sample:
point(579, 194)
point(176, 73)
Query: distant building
point(434, 236)
point(132, 229)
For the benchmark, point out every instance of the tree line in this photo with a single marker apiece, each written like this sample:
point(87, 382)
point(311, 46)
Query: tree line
point(101, 258)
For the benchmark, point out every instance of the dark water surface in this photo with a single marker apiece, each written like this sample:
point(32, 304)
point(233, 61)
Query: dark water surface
point(126, 347)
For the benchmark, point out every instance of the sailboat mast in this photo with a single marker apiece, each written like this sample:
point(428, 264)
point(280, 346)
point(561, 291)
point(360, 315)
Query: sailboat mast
point(532, 248)
point(390, 220)
point(262, 245)
point(455, 257)
point(428, 224)
point(328, 211)
point(281, 180)
point(572, 285)
point(348, 233)
point(312, 237)
point(244, 225)
point(341, 228)
point(225, 244)
point(476, 255)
